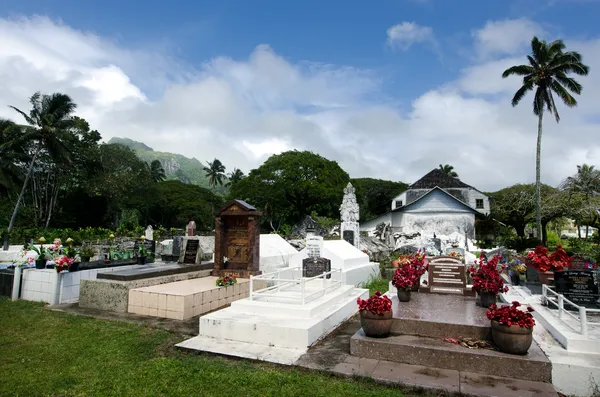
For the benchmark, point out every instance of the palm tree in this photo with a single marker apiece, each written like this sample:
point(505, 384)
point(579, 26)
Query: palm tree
point(48, 121)
point(448, 170)
point(547, 73)
point(587, 183)
point(156, 170)
point(235, 176)
point(215, 172)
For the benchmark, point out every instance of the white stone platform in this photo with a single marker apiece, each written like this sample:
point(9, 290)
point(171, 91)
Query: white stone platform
point(181, 300)
point(272, 329)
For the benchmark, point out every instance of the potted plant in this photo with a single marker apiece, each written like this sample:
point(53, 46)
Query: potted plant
point(375, 315)
point(487, 281)
point(404, 279)
point(62, 262)
point(42, 254)
point(516, 271)
point(142, 252)
point(71, 253)
point(226, 281)
point(512, 328)
point(546, 264)
point(86, 253)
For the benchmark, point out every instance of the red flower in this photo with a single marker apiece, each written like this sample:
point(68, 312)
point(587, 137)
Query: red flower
point(511, 315)
point(486, 276)
point(543, 261)
point(376, 304)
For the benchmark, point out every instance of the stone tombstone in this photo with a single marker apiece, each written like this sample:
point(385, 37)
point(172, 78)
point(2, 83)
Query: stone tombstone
point(149, 233)
point(314, 246)
point(578, 286)
point(314, 266)
point(149, 244)
point(447, 275)
point(177, 242)
point(349, 211)
point(237, 240)
point(190, 229)
point(190, 252)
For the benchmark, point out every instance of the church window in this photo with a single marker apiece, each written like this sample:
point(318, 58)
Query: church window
point(479, 204)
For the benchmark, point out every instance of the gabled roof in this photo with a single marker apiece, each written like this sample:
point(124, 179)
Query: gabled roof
point(238, 207)
point(438, 178)
point(400, 209)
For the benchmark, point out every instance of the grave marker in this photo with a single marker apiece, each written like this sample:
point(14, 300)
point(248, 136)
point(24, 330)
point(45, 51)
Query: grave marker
point(312, 267)
point(447, 275)
point(191, 251)
point(578, 286)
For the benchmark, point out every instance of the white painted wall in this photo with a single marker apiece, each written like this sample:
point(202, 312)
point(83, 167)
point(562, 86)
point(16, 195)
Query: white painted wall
point(275, 252)
point(400, 197)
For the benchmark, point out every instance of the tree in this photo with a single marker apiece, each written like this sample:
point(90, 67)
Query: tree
point(215, 172)
point(293, 184)
point(547, 73)
point(235, 176)
point(375, 195)
point(587, 184)
point(449, 170)
point(12, 154)
point(49, 119)
point(157, 172)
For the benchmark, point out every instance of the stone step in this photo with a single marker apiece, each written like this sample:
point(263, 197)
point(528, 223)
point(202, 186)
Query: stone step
point(435, 329)
point(433, 352)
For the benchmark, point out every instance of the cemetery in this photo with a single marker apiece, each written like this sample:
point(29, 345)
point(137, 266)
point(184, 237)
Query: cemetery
point(528, 325)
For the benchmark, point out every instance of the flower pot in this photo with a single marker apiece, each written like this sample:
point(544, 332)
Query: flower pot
point(74, 267)
point(40, 263)
point(415, 288)
point(513, 339)
point(141, 260)
point(376, 325)
point(486, 299)
point(514, 279)
point(545, 277)
point(403, 295)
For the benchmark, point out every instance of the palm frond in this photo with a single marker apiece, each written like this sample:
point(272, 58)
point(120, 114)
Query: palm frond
point(519, 70)
point(570, 83)
point(28, 119)
point(556, 47)
point(567, 98)
point(521, 93)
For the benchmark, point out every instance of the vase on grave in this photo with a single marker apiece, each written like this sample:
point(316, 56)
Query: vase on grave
point(376, 325)
point(40, 263)
point(514, 278)
point(141, 260)
point(486, 299)
point(512, 339)
point(403, 294)
point(415, 288)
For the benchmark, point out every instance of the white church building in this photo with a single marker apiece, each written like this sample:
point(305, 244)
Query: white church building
point(435, 204)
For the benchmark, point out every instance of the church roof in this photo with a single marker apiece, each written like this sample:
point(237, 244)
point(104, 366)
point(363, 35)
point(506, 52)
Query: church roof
point(438, 178)
point(437, 188)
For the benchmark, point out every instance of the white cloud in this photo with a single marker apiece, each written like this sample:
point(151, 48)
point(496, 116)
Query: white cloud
point(403, 35)
point(505, 37)
point(242, 111)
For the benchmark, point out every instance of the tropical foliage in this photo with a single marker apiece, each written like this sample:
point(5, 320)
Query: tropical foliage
point(449, 170)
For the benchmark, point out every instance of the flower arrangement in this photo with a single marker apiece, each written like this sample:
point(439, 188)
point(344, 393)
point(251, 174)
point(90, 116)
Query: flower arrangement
point(486, 275)
point(69, 251)
point(42, 253)
point(142, 251)
point(376, 304)
point(543, 261)
point(511, 315)
point(62, 262)
point(226, 281)
point(456, 255)
point(406, 277)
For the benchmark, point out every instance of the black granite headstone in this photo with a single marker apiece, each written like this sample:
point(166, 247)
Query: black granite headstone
point(349, 236)
point(191, 251)
point(150, 246)
point(177, 246)
point(312, 267)
point(578, 286)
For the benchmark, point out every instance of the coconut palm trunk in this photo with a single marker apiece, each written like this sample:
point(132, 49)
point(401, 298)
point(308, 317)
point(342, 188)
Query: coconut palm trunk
point(538, 184)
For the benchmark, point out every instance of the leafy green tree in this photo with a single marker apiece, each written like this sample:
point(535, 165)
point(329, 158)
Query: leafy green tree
point(157, 172)
point(375, 195)
point(585, 183)
point(12, 155)
point(48, 121)
point(215, 172)
point(547, 74)
point(448, 170)
point(235, 176)
point(293, 184)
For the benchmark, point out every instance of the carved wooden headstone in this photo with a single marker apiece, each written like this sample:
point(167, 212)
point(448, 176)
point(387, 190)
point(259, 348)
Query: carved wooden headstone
point(237, 240)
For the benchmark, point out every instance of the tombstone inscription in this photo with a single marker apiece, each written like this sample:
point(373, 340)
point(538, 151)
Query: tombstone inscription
point(312, 267)
point(348, 235)
point(578, 286)
point(191, 251)
point(447, 275)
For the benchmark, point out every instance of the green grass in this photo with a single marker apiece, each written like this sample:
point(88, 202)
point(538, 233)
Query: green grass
point(377, 284)
point(49, 353)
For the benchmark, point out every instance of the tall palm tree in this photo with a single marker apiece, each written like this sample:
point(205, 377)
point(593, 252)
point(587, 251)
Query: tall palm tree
point(156, 170)
point(215, 172)
point(587, 183)
point(235, 176)
point(48, 121)
point(448, 170)
point(547, 74)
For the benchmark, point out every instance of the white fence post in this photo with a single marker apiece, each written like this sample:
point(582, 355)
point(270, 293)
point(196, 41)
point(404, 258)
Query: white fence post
point(583, 319)
point(561, 306)
point(16, 283)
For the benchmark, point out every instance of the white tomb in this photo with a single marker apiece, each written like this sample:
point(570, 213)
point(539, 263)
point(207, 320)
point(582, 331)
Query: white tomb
point(349, 214)
point(275, 252)
point(354, 264)
point(280, 322)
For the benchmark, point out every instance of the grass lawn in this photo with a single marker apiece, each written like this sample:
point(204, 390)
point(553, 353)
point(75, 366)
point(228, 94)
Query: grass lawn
point(48, 353)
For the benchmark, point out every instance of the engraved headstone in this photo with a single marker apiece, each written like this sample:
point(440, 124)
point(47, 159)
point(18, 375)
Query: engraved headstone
point(191, 251)
point(349, 213)
point(237, 240)
point(447, 275)
point(314, 246)
point(578, 286)
point(312, 267)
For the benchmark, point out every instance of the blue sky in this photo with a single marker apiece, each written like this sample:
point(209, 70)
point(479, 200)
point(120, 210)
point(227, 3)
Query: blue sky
point(335, 72)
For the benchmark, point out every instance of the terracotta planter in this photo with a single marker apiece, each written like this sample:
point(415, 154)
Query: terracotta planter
point(486, 299)
point(403, 295)
point(376, 325)
point(513, 339)
point(545, 277)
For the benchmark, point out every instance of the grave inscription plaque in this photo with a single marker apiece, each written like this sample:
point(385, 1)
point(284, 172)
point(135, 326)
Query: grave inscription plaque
point(447, 275)
point(578, 286)
point(348, 235)
point(191, 251)
point(312, 267)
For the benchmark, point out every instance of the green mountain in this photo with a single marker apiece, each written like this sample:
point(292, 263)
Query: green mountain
point(176, 166)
